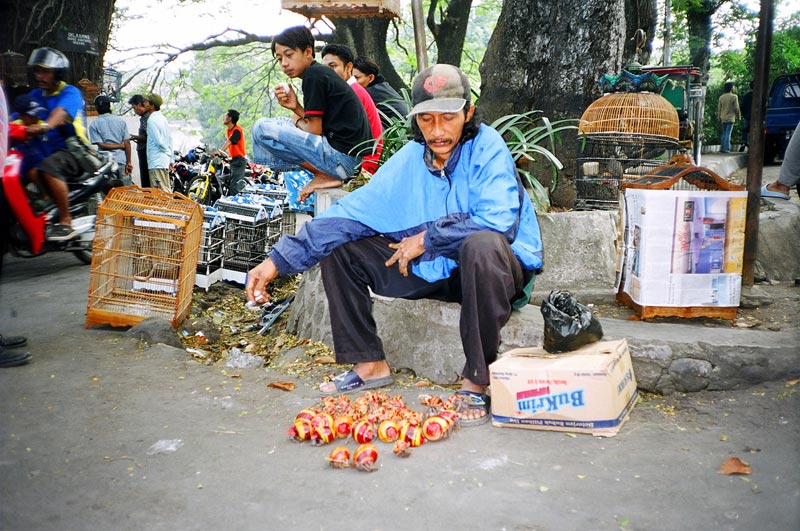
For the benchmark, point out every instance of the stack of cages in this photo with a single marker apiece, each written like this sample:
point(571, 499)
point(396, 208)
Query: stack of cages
point(144, 257)
point(682, 244)
point(253, 224)
point(622, 137)
point(210, 256)
point(281, 195)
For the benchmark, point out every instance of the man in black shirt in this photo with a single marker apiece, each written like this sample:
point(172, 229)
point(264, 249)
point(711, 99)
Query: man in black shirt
point(328, 133)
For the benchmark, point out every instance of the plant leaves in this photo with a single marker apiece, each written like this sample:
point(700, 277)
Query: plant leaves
point(734, 465)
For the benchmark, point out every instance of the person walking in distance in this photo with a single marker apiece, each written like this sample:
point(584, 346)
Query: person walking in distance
point(728, 112)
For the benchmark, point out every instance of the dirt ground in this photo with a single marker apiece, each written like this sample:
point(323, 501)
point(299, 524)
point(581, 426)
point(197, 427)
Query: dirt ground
point(223, 308)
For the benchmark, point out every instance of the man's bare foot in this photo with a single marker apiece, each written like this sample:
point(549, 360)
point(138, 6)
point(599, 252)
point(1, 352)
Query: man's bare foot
point(778, 187)
point(368, 370)
point(319, 182)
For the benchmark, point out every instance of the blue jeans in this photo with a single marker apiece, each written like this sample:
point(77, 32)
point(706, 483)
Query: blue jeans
point(725, 144)
point(281, 146)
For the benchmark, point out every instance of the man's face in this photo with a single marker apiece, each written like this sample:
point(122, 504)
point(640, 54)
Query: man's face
point(148, 107)
point(363, 79)
point(334, 61)
point(138, 108)
point(226, 119)
point(45, 78)
point(442, 131)
point(293, 61)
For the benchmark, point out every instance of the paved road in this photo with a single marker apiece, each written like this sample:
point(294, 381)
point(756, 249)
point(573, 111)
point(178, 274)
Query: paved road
point(77, 423)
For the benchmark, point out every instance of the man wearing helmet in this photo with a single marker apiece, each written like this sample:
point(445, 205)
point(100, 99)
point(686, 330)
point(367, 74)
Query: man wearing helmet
point(64, 114)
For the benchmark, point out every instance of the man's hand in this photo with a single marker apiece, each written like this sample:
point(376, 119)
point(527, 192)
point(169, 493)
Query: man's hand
point(286, 96)
point(257, 280)
point(408, 249)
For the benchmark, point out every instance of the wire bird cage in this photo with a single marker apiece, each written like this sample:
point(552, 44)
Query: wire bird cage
point(622, 136)
point(209, 260)
point(144, 257)
point(253, 224)
point(682, 243)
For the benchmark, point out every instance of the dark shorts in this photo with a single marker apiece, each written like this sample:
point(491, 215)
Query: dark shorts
point(62, 165)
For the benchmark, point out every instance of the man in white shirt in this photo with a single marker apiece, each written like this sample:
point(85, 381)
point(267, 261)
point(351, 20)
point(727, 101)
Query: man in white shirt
point(159, 144)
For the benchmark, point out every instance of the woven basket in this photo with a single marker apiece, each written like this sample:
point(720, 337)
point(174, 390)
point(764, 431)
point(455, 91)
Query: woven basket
point(631, 113)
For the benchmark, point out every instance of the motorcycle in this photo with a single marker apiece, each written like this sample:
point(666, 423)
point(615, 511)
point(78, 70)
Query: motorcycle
point(23, 229)
point(213, 182)
point(187, 167)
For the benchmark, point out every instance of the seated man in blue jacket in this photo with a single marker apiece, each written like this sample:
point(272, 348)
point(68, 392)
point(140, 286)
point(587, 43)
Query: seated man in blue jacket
point(445, 218)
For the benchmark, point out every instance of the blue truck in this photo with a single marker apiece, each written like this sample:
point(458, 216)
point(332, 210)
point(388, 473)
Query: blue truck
point(783, 114)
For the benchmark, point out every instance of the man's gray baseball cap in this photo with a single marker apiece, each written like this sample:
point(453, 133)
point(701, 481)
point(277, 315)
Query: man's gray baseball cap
point(439, 88)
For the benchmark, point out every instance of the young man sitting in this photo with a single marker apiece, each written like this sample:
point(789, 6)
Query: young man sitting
point(340, 58)
point(328, 133)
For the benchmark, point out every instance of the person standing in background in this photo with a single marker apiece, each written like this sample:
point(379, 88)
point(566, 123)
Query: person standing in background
point(110, 134)
point(728, 112)
point(236, 150)
point(141, 110)
point(159, 144)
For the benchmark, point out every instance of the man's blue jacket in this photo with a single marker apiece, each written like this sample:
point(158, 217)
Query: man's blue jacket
point(477, 190)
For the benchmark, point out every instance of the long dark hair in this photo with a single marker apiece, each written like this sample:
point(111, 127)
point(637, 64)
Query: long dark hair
point(470, 128)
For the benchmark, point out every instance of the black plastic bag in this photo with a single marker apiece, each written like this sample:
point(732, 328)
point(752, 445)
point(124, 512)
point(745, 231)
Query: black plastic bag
point(568, 324)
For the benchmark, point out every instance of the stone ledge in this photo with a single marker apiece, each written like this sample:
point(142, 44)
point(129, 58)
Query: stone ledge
point(423, 336)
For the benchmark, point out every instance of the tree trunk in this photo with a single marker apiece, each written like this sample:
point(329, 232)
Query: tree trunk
point(450, 32)
point(29, 24)
point(639, 14)
point(367, 36)
point(698, 19)
point(548, 55)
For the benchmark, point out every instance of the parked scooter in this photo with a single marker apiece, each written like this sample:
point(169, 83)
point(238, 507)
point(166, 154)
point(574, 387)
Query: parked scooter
point(23, 229)
point(187, 167)
point(213, 182)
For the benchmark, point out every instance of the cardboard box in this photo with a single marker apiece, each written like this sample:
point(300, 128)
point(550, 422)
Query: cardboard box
point(683, 248)
point(590, 390)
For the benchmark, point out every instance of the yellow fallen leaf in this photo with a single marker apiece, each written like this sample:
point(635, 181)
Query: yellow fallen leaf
point(570, 435)
point(734, 465)
point(723, 438)
point(283, 386)
point(543, 488)
point(581, 476)
point(95, 378)
point(792, 382)
point(325, 360)
point(422, 383)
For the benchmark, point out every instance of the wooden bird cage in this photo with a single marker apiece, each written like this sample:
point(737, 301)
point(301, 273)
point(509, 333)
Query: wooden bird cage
point(144, 257)
point(315, 9)
point(627, 115)
point(13, 70)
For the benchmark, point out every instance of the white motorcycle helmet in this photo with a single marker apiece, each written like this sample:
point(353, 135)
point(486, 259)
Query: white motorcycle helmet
point(51, 59)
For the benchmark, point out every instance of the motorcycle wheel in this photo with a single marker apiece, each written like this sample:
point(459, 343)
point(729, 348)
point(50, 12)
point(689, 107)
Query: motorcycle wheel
point(85, 255)
point(199, 190)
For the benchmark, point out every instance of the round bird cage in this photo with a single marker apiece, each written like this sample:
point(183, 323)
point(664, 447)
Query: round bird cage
point(621, 137)
point(631, 117)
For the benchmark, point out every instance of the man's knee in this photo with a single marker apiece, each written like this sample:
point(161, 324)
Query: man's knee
point(265, 129)
point(483, 241)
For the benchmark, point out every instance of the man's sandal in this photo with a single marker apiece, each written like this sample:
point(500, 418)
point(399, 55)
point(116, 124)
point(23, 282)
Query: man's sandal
point(351, 382)
point(472, 401)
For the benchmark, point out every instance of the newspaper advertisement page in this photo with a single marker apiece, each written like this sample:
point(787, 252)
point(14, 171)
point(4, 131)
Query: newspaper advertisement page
point(683, 247)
